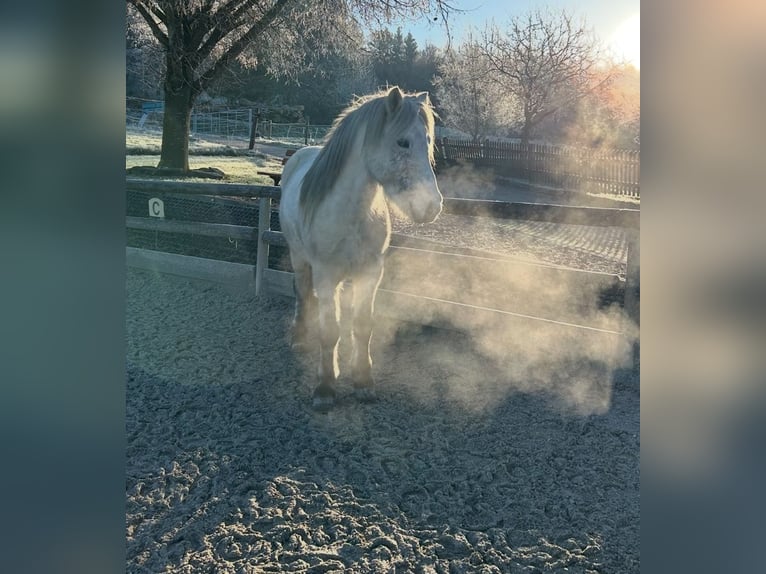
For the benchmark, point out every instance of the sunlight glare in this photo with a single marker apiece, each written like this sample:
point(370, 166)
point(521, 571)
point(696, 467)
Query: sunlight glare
point(626, 40)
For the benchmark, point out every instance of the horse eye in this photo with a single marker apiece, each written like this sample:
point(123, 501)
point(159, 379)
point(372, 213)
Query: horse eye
point(403, 143)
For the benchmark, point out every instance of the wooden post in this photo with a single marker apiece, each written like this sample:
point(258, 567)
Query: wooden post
point(633, 276)
point(262, 253)
point(306, 132)
point(253, 128)
point(633, 287)
point(527, 163)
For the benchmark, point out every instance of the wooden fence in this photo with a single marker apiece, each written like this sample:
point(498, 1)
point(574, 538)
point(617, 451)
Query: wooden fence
point(606, 171)
point(498, 285)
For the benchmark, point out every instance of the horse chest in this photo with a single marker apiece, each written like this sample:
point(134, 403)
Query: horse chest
point(362, 245)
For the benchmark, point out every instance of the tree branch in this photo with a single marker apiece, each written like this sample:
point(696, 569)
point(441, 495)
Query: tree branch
point(239, 45)
point(146, 14)
point(225, 23)
point(155, 9)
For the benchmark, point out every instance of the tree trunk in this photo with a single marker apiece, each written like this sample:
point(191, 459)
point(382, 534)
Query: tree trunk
point(526, 132)
point(179, 99)
point(175, 132)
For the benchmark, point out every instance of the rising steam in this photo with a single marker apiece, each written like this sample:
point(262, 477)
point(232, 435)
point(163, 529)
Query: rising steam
point(554, 332)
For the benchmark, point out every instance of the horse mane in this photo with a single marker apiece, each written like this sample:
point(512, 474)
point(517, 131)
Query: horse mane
point(367, 113)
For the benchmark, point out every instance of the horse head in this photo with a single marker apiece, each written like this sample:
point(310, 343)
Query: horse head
point(400, 157)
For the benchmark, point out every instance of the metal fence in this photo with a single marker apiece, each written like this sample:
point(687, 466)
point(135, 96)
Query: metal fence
point(298, 133)
point(228, 124)
point(234, 126)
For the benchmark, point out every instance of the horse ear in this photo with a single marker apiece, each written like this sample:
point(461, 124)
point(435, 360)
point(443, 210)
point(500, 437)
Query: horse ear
point(423, 98)
point(394, 99)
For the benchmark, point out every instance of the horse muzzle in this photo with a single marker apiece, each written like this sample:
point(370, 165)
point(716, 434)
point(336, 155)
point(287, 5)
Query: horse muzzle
point(423, 203)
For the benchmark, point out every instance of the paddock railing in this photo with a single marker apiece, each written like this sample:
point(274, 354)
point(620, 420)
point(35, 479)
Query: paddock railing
point(613, 171)
point(495, 282)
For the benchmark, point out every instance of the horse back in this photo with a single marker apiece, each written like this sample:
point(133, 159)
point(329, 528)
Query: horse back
point(298, 164)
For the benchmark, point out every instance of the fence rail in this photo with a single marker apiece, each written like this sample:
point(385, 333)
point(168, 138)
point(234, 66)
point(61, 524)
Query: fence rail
point(399, 290)
point(606, 171)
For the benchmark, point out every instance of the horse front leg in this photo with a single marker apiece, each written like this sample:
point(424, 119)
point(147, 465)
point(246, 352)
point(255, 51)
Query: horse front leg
point(305, 307)
point(327, 292)
point(365, 289)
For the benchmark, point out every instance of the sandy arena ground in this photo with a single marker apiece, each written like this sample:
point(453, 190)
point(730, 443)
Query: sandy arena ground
point(459, 466)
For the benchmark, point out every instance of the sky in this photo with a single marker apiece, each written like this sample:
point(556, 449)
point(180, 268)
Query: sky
point(615, 22)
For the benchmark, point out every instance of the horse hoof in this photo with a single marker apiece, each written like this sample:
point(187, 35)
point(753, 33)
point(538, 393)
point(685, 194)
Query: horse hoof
point(324, 399)
point(365, 394)
point(323, 404)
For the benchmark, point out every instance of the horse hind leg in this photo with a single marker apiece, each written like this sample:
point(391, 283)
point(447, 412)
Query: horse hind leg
point(365, 289)
point(305, 308)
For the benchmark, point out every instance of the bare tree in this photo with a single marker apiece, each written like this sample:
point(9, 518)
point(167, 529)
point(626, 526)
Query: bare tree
point(608, 117)
point(144, 62)
point(471, 99)
point(202, 38)
point(545, 60)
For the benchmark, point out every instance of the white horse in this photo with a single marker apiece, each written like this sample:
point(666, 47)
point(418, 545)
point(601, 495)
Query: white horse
point(334, 215)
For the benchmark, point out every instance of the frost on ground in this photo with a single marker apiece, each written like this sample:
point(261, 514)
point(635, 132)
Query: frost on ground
point(459, 466)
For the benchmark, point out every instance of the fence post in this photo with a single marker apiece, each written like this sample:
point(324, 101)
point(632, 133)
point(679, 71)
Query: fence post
point(527, 163)
point(633, 285)
point(306, 132)
point(262, 253)
point(253, 128)
point(633, 275)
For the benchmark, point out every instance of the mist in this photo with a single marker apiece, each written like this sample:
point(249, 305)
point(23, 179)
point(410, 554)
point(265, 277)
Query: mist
point(505, 308)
